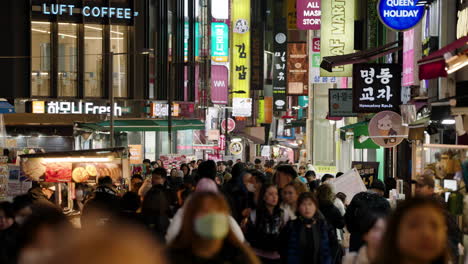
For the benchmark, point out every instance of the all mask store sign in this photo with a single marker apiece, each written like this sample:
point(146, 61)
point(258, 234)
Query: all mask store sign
point(88, 11)
point(308, 14)
point(337, 34)
point(79, 108)
point(376, 87)
point(240, 71)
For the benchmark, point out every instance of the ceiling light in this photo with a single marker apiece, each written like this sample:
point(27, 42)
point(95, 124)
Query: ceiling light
point(448, 122)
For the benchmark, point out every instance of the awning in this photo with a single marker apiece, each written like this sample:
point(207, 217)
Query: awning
point(433, 66)
point(145, 125)
point(6, 107)
point(361, 56)
point(352, 126)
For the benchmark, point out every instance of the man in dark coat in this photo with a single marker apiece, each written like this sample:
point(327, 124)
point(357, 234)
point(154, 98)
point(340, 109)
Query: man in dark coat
point(40, 196)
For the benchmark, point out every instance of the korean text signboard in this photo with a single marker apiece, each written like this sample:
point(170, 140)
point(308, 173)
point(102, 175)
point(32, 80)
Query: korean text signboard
point(298, 65)
point(64, 107)
point(219, 42)
point(315, 61)
point(308, 14)
point(337, 34)
point(340, 103)
point(279, 66)
point(240, 21)
point(376, 87)
point(369, 171)
point(400, 15)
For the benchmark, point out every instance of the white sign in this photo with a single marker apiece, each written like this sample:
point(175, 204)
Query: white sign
point(162, 110)
point(242, 107)
point(236, 148)
point(220, 9)
point(56, 107)
point(266, 151)
point(350, 184)
point(211, 120)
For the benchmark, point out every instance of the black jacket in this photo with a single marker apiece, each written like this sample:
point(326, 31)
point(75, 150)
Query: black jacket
point(228, 255)
point(39, 200)
point(241, 200)
point(9, 244)
point(332, 215)
point(104, 202)
point(263, 230)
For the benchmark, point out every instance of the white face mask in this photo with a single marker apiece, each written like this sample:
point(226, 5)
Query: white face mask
point(250, 187)
point(20, 220)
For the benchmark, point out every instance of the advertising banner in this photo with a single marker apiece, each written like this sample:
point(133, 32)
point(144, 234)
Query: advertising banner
point(219, 84)
point(369, 171)
point(376, 87)
point(240, 71)
point(279, 66)
point(408, 58)
point(219, 42)
point(340, 103)
point(298, 69)
point(337, 34)
point(308, 14)
point(315, 61)
point(386, 129)
point(136, 154)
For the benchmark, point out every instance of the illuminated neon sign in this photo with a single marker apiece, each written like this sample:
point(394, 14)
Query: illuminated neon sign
point(89, 11)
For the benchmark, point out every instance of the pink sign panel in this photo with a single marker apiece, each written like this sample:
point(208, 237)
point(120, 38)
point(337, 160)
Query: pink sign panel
point(219, 84)
point(308, 14)
point(408, 58)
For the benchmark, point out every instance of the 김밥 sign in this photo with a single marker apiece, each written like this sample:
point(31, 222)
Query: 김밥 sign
point(337, 34)
point(89, 11)
point(240, 22)
point(400, 15)
point(298, 65)
point(308, 14)
point(340, 103)
point(279, 66)
point(376, 87)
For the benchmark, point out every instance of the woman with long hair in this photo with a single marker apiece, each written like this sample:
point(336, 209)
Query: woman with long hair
point(416, 233)
point(206, 236)
point(185, 169)
point(290, 195)
point(326, 199)
point(306, 239)
point(265, 224)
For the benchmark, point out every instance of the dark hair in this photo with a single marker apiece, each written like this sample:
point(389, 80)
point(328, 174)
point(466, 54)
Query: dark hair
point(326, 177)
point(193, 161)
point(155, 203)
point(207, 169)
point(185, 165)
point(306, 196)
point(342, 197)
point(137, 176)
point(230, 162)
point(325, 194)
point(378, 184)
point(287, 169)
point(389, 252)
point(21, 201)
point(130, 201)
point(237, 170)
point(160, 171)
point(153, 163)
point(7, 209)
point(368, 220)
point(338, 174)
point(310, 174)
point(257, 161)
point(106, 180)
point(146, 161)
point(259, 176)
point(262, 210)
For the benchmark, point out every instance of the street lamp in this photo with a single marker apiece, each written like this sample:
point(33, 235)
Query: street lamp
point(111, 87)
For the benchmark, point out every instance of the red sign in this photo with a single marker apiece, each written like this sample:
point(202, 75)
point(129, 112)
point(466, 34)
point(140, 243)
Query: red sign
point(222, 142)
point(308, 14)
point(231, 124)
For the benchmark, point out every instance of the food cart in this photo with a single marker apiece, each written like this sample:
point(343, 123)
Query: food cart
point(65, 169)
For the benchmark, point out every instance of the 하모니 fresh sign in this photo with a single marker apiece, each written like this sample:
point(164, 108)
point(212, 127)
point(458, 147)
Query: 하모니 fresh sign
point(400, 15)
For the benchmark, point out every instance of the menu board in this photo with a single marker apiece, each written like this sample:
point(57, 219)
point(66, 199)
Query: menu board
point(42, 170)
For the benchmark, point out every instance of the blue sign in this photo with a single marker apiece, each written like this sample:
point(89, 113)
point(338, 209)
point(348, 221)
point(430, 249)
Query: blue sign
point(400, 15)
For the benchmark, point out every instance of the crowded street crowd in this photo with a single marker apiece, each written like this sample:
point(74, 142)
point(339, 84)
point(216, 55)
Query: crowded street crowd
point(229, 212)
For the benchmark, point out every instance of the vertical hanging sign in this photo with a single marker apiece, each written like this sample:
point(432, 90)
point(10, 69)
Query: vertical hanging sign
point(337, 34)
point(240, 70)
point(279, 66)
point(308, 14)
point(314, 63)
point(219, 42)
point(298, 69)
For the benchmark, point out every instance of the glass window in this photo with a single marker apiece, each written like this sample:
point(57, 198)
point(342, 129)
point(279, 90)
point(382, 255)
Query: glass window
point(150, 145)
point(40, 61)
point(119, 38)
point(93, 60)
point(67, 59)
point(185, 142)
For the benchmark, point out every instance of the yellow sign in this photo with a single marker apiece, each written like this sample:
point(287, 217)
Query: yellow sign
point(325, 169)
point(291, 14)
point(240, 70)
point(337, 34)
point(136, 154)
point(261, 111)
point(38, 107)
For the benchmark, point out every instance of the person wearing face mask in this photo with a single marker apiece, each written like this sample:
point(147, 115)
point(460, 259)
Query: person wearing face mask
point(8, 233)
point(206, 236)
point(264, 225)
point(416, 233)
point(306, 239)
point(243, 196)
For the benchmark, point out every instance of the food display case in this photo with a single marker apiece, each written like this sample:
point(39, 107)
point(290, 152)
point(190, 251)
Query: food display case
point(82, 166)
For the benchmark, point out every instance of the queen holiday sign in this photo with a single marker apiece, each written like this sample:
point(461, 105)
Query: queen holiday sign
point(400, 15)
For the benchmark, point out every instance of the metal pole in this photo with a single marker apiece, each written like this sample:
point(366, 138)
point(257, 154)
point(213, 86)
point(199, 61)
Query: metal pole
point(226, 131)
point(111, 98)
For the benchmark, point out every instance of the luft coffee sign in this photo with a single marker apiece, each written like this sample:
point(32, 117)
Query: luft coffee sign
point(88, 11)
point(376, 87)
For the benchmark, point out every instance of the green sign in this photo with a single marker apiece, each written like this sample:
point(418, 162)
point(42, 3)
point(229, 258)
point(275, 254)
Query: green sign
point(361, 138)
point(219, 42)
point(197, 39)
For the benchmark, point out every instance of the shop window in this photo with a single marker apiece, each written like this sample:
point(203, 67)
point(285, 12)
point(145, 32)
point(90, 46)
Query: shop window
point(93, 60)
point(40, 61)
point(185, 142)
point(119, 39)
point(67, 59)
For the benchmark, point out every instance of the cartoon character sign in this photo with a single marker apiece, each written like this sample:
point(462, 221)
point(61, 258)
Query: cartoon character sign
point(386, 129)
point(241, 26)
